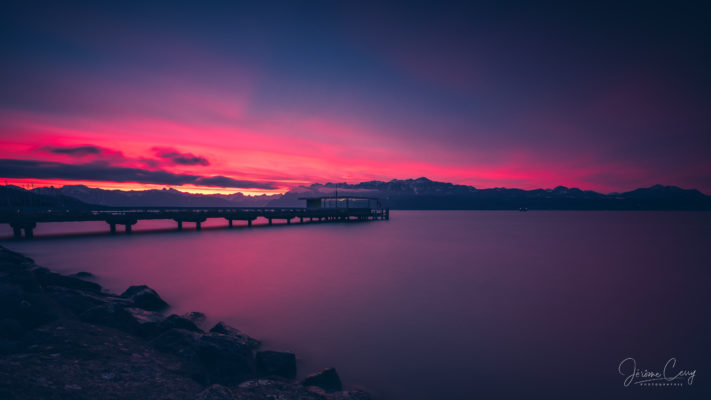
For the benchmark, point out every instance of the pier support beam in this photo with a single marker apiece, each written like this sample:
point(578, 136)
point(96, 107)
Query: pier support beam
point(28, 227)
point(301, 220)
point(288, 221)
point(230, 222)
point(249, 222)
point(270, 221)
point(198, 222)
point(126, 222)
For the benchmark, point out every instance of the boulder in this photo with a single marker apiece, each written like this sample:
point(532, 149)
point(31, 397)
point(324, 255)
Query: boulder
point(8, 346)
point(144, 297)
point(48, 278)
point(148, 323)
point(83, 275)
point(24, 279)
point(228, 330)
point(215, 392)
point(11, 329)
point(133, 320)
point(226, 359)
point(326, 379)
point(14, 259)
point(29, 309)
point(279, 389)
point(177, 322)
point(276, 363)
point(77, 301)
point(196, 317)
point(352, 395)
point(182, 343)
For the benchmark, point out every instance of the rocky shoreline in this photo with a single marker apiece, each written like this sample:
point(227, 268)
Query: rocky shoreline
point(65, 337)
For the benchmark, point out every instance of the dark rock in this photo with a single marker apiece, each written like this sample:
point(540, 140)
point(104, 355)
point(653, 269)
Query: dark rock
point(12, 258)
point(23, 278)
point(326, 379)
point(353, 395)
point(144, 297)
point(77, 301)
point(215, 392)
point(185, 345)
point(105, 362)
point(29, 309)
point(133, 320)
point(196, 317)
point(182, 343)
point(223, 359)
point(228, 330)
point(8, 346)
point(11, 329)
point(148, 322)
point(47, 278)
point(83, 275)
point(280, 389)
point(276, 363)
point(226, 359)
point(177, 322)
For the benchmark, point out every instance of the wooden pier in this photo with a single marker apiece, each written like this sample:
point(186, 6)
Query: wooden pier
point(26, 220)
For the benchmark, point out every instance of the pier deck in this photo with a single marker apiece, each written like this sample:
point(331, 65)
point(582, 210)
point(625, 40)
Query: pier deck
point(27, 219)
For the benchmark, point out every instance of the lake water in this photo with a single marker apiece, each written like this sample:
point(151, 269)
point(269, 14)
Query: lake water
point(438, 304)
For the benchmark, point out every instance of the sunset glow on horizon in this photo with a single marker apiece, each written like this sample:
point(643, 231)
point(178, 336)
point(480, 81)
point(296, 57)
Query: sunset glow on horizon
point(334, 92)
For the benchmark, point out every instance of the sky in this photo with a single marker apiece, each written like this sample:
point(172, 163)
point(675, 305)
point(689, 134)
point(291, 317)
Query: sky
point(260, 97)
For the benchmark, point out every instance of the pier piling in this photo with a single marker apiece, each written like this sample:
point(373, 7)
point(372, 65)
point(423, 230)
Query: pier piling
point(28, 227)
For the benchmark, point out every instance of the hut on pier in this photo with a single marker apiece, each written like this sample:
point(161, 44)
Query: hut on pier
point(342, 202)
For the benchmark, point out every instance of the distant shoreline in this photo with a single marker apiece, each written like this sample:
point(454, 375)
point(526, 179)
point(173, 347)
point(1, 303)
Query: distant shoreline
point(407, 194)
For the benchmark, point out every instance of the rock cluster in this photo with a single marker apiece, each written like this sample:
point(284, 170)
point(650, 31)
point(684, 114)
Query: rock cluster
point(65, 337)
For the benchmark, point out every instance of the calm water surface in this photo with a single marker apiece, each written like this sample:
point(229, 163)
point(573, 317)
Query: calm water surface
point(434, 305)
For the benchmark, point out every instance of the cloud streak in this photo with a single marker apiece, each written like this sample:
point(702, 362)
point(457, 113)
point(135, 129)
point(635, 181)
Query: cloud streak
point(176, 157)
point(75, 151)
point(102, 172)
